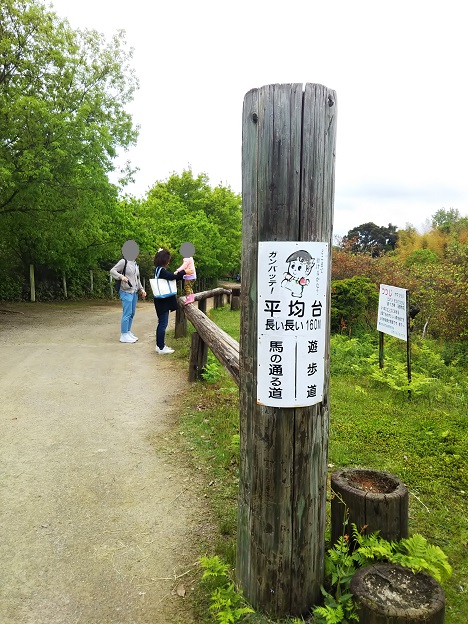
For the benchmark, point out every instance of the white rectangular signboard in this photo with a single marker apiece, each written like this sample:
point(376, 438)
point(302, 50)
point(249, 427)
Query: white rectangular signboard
point(292, 318)
point(392, 313)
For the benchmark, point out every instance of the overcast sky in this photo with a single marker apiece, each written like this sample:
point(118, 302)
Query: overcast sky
point(399, 69)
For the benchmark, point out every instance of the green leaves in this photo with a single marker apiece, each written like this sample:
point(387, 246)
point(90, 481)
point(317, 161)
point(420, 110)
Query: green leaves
point(227, 603)
point(416, 553)
point(62, 98)
point(341, 564)
point(353, 301)
point(185, 208)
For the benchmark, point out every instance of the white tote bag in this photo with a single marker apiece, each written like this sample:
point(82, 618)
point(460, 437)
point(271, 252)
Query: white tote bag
point(162, 287)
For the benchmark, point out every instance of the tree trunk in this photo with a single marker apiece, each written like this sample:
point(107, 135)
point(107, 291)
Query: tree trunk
point(376, 501)
point(390, 594)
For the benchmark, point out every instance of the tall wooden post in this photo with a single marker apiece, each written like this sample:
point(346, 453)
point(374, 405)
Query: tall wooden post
point(32, 283)
point(288, 159)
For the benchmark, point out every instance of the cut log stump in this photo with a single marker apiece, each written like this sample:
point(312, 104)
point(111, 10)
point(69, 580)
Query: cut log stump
point(390, 594)
point(377, 501)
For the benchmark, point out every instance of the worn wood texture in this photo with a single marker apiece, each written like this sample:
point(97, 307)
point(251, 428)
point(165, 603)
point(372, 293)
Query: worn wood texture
point(224, 347)
point(206, 294)
point(198, 357)
point(235, 299)
point(385, 511)
point(288, 154)
point(180, 328)
point(32, 283)
point(390, 594)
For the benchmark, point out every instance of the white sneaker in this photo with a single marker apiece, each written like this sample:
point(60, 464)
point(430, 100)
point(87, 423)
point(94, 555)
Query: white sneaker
point(164, 350)
point(132, 335)
point(127, 338)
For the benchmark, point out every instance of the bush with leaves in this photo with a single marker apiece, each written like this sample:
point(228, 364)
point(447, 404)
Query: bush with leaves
point(353, 302)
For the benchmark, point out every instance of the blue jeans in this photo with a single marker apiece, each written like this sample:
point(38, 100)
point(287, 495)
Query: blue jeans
point(129, 301)
point(163, 320)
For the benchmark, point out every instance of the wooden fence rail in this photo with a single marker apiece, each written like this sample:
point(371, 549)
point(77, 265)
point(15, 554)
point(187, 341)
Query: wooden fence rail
point(208, 334)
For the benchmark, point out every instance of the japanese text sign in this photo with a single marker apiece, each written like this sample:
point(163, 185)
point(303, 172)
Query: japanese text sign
point(392, 315)
point(292, 320)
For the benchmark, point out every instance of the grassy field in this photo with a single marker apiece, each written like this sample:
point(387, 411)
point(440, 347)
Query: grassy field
point(422, 440)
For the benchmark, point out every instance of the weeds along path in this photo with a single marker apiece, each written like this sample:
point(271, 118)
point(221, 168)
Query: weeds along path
point(95, 521)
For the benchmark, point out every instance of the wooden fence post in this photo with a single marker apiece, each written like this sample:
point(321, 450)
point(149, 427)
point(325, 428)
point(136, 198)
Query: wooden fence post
point(202, 305)
point(235, 299)
point(64, 282)
point(198, 357)
point(180, 330)
point(91, 280)
point(32, 282)
point(288, 157)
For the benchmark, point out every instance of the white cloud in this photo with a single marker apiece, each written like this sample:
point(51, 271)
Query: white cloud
point(398, 69)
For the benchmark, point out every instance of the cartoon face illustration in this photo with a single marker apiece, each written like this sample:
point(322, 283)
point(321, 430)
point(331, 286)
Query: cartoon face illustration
point(299, 268)
point(300, 264)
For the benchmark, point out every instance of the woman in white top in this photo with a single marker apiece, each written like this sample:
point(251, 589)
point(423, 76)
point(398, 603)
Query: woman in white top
point(126, 270)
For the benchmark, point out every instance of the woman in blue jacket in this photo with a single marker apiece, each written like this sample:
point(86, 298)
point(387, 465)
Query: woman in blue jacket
point(167, 304)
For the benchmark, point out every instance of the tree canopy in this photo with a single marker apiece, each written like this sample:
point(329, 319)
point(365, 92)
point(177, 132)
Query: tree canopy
point(63, 94)
point(371, 238)
point(185, 208)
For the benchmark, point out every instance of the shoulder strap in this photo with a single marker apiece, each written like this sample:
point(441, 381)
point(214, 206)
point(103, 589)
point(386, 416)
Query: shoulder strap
point(157, 272)
point(125, 267)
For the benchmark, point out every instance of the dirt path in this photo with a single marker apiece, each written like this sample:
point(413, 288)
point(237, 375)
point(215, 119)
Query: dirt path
point(92, 514)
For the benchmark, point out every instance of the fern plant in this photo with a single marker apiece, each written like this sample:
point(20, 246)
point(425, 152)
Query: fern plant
point(340, 566)
point(227, 604)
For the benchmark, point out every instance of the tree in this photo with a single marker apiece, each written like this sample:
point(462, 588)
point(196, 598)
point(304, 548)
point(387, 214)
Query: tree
point(371, 238)
point(62, 101)
point(445, 220)
point(185, 208)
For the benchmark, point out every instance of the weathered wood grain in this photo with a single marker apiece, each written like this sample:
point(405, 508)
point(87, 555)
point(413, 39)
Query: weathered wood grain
point(390, 594)
point(224, 347)
point(373, 508)
point(180, 330)
point(287, 194)
point(198, 357)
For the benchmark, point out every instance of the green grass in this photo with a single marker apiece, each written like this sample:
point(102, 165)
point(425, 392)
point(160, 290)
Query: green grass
point(424, 441)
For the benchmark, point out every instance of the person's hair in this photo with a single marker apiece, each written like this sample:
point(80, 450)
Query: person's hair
point(162, 258)
point(302, 256)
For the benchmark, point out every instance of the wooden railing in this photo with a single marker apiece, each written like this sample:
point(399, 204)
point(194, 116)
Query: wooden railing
point(208, 335)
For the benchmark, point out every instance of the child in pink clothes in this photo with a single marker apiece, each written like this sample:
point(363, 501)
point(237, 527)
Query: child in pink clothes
point(187, 250)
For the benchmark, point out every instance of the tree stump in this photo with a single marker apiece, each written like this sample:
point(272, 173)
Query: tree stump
point(390, 594)
point(377, 501)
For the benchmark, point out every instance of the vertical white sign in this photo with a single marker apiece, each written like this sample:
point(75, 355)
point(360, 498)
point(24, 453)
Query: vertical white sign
point(292, 318)
point(392, 313)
